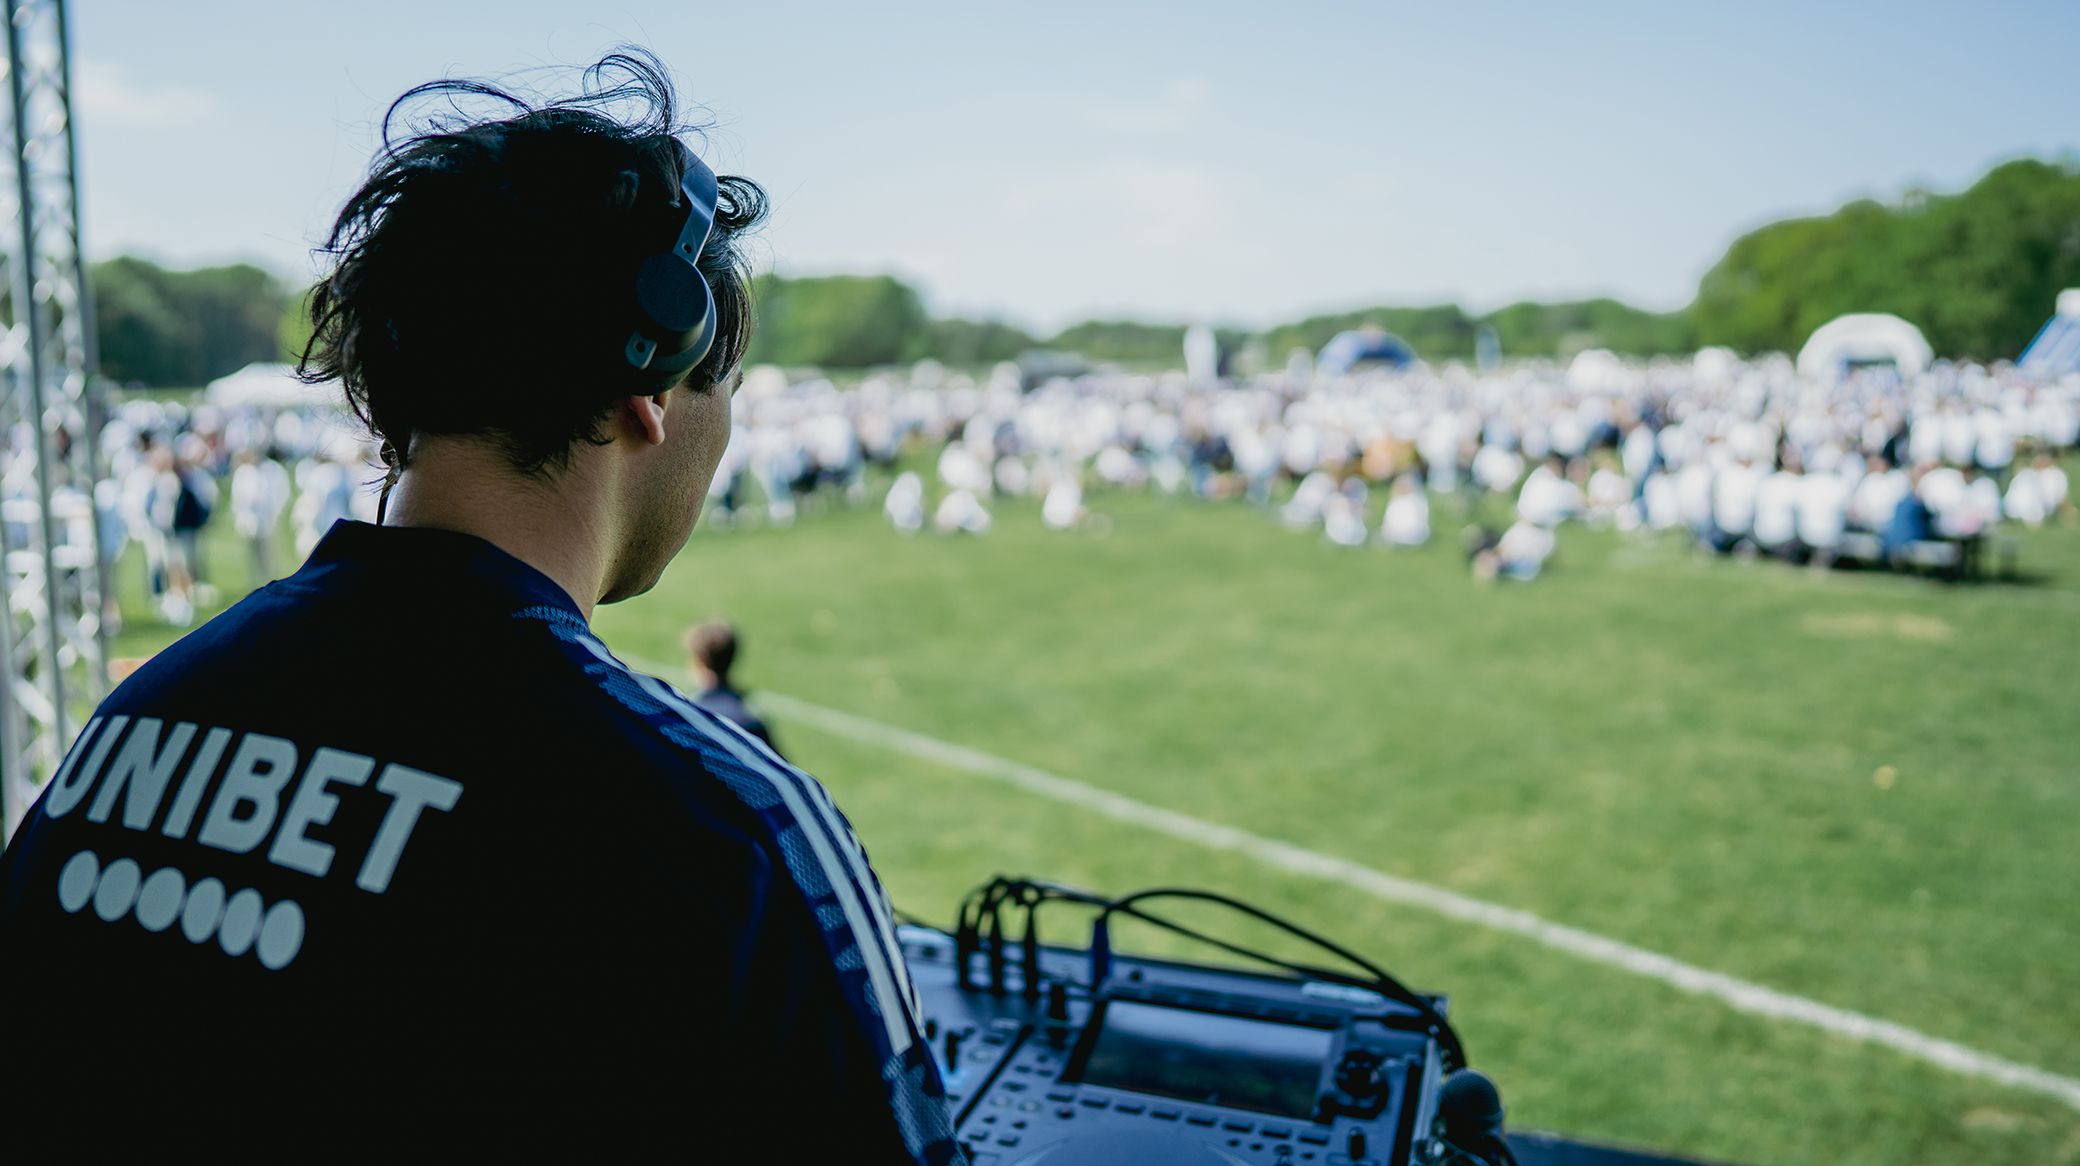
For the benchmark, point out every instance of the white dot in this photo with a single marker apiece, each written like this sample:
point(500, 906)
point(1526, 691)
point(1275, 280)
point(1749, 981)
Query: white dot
point(76, 881)
point(281, 937)
point(160, 900)
point(117, 889)
point(205, 907)
point(241, 922)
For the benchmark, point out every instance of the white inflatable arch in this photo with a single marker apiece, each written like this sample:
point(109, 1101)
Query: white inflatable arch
point(1863, 338)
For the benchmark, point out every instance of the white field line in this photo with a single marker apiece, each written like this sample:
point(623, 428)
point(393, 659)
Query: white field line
point(1737, 993)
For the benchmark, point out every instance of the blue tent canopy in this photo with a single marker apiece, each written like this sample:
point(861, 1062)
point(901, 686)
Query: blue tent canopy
point(1348, 349)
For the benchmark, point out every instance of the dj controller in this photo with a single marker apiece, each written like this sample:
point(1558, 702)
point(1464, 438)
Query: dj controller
point(1173, 1064)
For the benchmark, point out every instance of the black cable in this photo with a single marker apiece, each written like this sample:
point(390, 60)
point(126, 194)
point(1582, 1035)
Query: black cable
point(968, 942)
point(1454, 1052)
point(967, 939)
point(1263, 916)
point(1029, 946)
point(1381, 982)
point(979, 927)
point(1394, 988)
point(993, 932)
point(985, 904)
point(1246, 953)
point(1032, 893)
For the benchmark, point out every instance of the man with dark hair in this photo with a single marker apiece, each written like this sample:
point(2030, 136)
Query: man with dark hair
point(711, 647)
point(394, 859)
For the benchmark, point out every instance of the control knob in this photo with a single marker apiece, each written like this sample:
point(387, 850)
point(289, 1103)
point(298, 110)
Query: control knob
point(1359, 1087)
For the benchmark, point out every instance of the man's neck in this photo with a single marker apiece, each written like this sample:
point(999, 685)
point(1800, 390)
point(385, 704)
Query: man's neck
point(553, 525)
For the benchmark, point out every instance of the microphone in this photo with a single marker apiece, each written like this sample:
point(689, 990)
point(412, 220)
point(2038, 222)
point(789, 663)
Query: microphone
point(1471, 1109)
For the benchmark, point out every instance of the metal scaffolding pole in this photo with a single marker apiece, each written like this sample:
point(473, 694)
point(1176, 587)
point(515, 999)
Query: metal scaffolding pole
point(51, 574)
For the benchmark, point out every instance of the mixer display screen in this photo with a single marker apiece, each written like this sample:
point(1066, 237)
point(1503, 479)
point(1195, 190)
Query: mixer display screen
point(1207, 1058)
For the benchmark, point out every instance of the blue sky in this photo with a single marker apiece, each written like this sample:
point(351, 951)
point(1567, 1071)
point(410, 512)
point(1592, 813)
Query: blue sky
point(1049, 162)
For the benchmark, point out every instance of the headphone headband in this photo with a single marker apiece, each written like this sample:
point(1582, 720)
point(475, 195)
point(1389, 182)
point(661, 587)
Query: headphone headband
point(675, 325)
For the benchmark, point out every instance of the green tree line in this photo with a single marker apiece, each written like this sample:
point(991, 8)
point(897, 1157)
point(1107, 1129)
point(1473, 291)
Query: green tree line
point(1977, 271)
point(184, 328)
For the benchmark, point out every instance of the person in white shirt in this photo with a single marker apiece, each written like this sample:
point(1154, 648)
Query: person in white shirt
point(1877, 495)
point(324, 495)
point(1637, 451)
point(177, 603)
point(1497, 469)
point(1523, 550)
point(1693, 492)
point(961, 512)
point(1303, 450)
point(135, 505)
point(1610, 498)
point(1548, 498)
point(1996, 448)
point(1942, 490)
point(1661, 506)
point(1823, 513)
point(1063, 507)
point(1014, 479)
point(1733, 502)
point(1439, 445)
point(259, 494)
point(1776, 511)
point(1960, 436)
point(1925, 439)
point(904, 505)
point(1407, 520)
point(1256, 461)
point(2037, 493)
point(1343, 520)
point(1304, 509)
point(777, 461)
point(1974, 509)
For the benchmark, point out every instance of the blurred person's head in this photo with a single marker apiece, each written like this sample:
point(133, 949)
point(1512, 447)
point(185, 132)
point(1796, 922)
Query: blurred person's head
point(711, 646)
point(483, 295)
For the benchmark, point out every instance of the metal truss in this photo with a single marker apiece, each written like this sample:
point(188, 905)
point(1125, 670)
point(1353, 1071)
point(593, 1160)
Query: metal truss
point(52, 577)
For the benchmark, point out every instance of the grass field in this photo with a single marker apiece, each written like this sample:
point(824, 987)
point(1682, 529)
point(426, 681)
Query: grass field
point(1855, 788)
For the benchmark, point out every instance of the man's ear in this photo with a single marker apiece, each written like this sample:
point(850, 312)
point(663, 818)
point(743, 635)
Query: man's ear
point(645, 415)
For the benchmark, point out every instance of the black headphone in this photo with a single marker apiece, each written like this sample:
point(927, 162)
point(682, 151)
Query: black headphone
point(676, 309)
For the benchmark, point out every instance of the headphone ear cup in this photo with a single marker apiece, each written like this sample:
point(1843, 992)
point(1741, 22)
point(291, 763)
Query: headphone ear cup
point(674, 299)
point(678, 322)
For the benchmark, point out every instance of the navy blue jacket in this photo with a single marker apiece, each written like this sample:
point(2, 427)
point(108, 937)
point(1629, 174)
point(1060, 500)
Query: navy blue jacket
point(395, 859)
point(728, 703)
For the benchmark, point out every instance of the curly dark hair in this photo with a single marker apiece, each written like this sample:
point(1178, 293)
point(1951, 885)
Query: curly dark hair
point(483, 278)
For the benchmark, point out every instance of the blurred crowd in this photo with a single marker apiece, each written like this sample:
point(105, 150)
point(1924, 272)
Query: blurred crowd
point(1743, 456)
point(279, 477)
